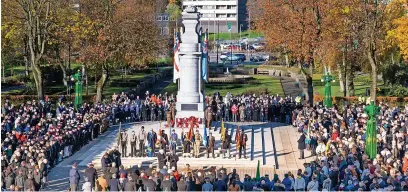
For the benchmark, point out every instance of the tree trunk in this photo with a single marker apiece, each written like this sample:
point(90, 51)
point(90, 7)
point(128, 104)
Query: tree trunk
point(373, 63)
point(341, 74)
point(350, 83)
point(287, 60)
point(26, 65)
point(37, 74)
point(101, 84)
point(64, 74)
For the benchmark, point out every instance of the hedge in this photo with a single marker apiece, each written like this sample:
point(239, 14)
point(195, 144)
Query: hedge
point(398, 101)
point(19, 99)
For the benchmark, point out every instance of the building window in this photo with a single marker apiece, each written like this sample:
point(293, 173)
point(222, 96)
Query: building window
point(165, 31)
point(159, 18)
point(221, 15)
point(231, 15)
point(231, 6)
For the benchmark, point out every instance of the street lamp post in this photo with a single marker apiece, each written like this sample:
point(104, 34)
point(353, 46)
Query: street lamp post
point(327, 78)
point(218, 37)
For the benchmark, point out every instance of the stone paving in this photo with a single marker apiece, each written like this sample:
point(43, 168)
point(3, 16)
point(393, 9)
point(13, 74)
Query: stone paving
point(279, 151)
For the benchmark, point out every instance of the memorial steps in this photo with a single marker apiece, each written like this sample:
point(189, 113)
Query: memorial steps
point(274, 144)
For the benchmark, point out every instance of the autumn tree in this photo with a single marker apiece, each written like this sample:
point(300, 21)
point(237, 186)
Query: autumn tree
point(125, 32)
point(296, 26)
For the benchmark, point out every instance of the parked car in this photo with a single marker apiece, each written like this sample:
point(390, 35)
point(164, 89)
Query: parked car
point(241, 56)
point(258, 46)
point(257, 58)
point(232, 57)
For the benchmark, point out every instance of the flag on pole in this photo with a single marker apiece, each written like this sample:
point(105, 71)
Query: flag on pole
point(176, 48)
point(190, 132)
point(258, 172)
point(222, 130)
point(238, 138)
point(205, 141)
point(204, 63)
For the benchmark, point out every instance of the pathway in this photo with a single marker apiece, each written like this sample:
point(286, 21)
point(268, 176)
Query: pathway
point(289, 87)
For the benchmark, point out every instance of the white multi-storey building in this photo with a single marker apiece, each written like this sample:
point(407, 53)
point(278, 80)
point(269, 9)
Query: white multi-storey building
point(220, 12)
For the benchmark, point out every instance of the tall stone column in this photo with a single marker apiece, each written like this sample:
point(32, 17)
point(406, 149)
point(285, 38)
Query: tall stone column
point(190, 98)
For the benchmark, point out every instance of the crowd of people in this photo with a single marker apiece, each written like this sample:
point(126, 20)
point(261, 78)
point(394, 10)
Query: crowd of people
point(337, 141)
point(36, 136)
point(248, 108)
point(116, 178)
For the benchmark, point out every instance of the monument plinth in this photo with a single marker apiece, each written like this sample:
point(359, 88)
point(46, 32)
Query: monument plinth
point(190, 96)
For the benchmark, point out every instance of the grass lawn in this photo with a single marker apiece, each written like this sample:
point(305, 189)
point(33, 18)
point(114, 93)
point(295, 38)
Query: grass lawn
point(361, 83)
point(260, 82)
point(234, 36)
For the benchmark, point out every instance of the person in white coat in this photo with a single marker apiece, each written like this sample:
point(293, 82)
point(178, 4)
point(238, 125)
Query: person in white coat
point(87, 185)
point(313, 185)
point(300, 183)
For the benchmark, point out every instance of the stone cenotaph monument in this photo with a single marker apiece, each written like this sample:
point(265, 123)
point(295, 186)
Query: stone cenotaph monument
point(190, 96)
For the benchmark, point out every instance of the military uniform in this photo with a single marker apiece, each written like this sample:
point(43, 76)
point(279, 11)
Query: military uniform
point(197, 142)
point(123, 141)
point(226, 144)
point(208, 117)
point(242, 143)
point(133, 145)
point(211, 145)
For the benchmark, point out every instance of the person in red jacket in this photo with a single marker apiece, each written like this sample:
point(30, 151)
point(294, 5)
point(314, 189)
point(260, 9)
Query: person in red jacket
point(234, 110)
point(334, 135)
point(405, 161)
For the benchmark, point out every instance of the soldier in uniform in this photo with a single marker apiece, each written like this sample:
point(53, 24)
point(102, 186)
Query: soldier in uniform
point(211, 145)
point(197, 142)
point(123, 140)
point(187, 144)
point(133, 144)
point(173, 140)
point(208, 117)
point(142, 139)
point(164, 141)
point(226, 144)
point(242, 143)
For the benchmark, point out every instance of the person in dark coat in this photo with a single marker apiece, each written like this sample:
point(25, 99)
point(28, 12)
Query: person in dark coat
point(211, 145)
point(302, 145)
point(226, 144)
point(91, 174)
point(190, 183)
point(114, 183)
point(173, 159)
point(37, 178)
point(130, 185)
point(161, 158)
point(220, 184)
